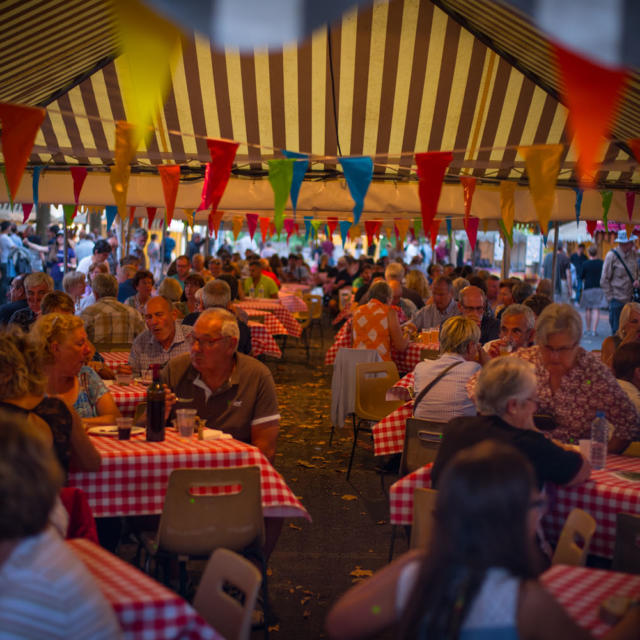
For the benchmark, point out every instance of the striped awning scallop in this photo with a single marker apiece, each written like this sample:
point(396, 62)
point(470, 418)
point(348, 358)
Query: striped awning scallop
point(387, 81)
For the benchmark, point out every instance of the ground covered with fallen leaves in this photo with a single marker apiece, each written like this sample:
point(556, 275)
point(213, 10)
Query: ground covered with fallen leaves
point(349, 537)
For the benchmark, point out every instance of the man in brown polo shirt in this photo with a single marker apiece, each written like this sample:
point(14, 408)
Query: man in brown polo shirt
point(231, 391)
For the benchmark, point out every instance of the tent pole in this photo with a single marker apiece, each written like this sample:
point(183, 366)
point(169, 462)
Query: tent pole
point(162, 245)
point(555, 260)
point(66, 244)
point(506, 259)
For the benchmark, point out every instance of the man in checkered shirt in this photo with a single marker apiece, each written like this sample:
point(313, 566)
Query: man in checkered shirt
point(110, 321)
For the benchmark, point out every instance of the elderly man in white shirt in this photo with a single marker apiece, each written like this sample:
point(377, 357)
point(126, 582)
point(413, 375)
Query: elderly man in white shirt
point(626, 368)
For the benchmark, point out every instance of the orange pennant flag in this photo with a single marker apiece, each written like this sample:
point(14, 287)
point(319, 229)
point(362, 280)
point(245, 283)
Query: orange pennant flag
point(214, 222)
point(264, 228)
point(508, 207)
point(170, 177)
point(119, 179)
point(132, 214)
point(20, 126)
point(236, 226)
point(592, 94)
point(468, 188)
point(355, 231)
point(543, 165)
point(402, 226)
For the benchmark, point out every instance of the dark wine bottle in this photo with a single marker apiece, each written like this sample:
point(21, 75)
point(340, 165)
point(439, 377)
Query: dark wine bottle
point(155, 407)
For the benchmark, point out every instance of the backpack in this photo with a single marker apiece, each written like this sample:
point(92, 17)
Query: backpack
point(20, 259)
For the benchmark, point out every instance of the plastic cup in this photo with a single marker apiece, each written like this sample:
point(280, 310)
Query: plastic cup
point(124, 428)
point(186, 422)
point(124, 378)
point(585, 448)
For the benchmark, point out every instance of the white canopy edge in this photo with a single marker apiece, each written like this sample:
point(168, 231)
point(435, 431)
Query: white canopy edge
point(325, 199)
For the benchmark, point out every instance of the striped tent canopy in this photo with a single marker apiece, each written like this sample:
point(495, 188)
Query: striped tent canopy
point(388, 80)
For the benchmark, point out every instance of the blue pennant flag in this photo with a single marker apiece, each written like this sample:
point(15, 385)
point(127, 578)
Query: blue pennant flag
point(449, 230)
point(111, 212)
point(578, 205)
point(299, 170)
point(345, 225)
point(36, 183)
point(358, 173)
point(307, 227)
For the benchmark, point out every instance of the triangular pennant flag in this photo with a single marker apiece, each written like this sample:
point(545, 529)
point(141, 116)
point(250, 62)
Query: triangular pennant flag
point(370, 229)
point(417, 227)
point(189, 215)
point(132, 214)
point(355, 232)
point(280, 179)
point(449, 229)
point(591, 227)
point(170, 178)
point(213, 222)
point(151, 48)
point(629, 228)
point(543, 164)
point(344, 225)
point(236, 226)
point(69, 213)
point(264, 228)
point(119, 179)
point(630, 198)
point(20, 126)
point(332, 223)
point(78, 175)
point(316, 224)
point(110, 212)
point(252, 223)
point(606, 196)
point(433, 232)
point(592, 94)
point(635, 148)
point(402, 226)
point(578, 205)
point(26, 211)
point(307, 228)
point(468, 187)
point(388, 230)
point(507, 208)
point(288, 227)
point(431, 169)
point(471, 227)
point(300, 167)
point(358, 173)
point(272, 228)
point(151, 214)
point(35, 185)
point(121, 170)
point(217, 172)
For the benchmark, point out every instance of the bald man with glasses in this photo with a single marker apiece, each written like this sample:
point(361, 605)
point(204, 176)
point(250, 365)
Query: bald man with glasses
point(472, 305)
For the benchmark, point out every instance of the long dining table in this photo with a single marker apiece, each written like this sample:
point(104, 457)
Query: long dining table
point(279, 309)
point(606, 494)
point(134, 473)
point(144, 608)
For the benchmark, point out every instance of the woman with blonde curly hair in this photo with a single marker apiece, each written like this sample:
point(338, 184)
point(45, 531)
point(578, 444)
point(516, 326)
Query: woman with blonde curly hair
point(417, 281)
point(22, 389)
point(65, 348)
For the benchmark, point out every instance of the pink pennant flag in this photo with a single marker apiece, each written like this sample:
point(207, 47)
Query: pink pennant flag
point(468, 188)
point(26, 211)
point(631, 199)
point(151, 214)
point(289, 227)
point(471, 227)
point(78, 174)
point(431, 169)
point(252, 223)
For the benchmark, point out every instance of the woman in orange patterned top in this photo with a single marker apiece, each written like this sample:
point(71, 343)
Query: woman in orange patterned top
point(375, 324)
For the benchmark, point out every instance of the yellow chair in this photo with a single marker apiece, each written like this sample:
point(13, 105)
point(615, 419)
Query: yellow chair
point(373, 379)
point(424, 504)
point(315, 303)
point(304, 320)
point(575, 538)
point(632, 450)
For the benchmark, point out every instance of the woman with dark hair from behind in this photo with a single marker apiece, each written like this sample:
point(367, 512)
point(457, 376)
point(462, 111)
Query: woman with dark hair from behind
point(478, 579)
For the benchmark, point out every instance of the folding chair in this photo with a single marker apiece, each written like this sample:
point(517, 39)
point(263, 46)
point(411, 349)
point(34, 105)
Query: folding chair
point(315, 303)
point(575, 538)
point(424, 504)
point(626, 555)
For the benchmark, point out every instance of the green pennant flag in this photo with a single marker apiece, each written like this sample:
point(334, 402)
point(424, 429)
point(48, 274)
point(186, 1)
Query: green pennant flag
point(69, 213)
point(606, 196)
point(280, 178)
point(417, 227)
point(316, 224)
point(505, 233)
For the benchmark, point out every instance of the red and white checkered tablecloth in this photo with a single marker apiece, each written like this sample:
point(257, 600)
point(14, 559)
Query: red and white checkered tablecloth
point(144, 608)
point(262, 341)
point(581, 591)
point(405, 360)
point(401, 389)
point(293, 289)
point(134, 474)
point(388, 434)
point(273, 325)
point(604, 495)
point(292, 301)
point(114, 358)
point(291, 325)
point(128, 397)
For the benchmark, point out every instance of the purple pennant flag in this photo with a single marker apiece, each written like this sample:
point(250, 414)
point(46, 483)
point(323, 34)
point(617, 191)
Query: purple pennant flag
point(358, 173)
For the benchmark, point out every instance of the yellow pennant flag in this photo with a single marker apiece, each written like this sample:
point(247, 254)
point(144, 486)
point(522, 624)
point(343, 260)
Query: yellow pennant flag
point(402, 225)
point(189, 216)
point(355, 231)
point(236, 227)
point(507, 207)
point(543, 165)
point(121, 170)
point(387, 230)
point(119, 179)
point(151, 47)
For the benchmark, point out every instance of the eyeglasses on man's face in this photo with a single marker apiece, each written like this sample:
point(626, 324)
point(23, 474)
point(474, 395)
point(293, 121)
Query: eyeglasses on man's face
point(203, 341)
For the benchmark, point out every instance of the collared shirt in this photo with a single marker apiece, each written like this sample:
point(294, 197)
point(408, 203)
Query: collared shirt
point(111, 321)
point(615, 281)
point(24, 318)
point(146, 350)
point(248, 399)
point(430, 317)
point(448, 398)
point(265, 288)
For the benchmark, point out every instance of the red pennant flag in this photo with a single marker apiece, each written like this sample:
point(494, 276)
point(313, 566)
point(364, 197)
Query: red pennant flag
point(264, 228)
point(252, 223)
point(591, 227)
point(78, 174)
point(170, 177)
point(26, 211)
point(20, 126)
point(468, 188)
point(431, 170)
point(132, 214)
point(635, 148)
point(296, 226)
point(471, 227)
point(151, 214)
point(217, 172)
point(332, 223)
point(592, 94)
point(369, 227)
point(631, 199)
point(213, 222)
point(289, 227)
point(433, 231)
point(272, 227)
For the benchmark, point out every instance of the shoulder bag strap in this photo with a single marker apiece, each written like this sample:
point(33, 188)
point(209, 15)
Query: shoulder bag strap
point(437, 379)
point(624, 264)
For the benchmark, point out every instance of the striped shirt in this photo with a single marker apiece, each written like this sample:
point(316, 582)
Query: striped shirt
point(111, 321)
point(146, 350)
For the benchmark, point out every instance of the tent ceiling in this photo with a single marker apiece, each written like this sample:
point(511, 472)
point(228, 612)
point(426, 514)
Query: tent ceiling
point(406, 77)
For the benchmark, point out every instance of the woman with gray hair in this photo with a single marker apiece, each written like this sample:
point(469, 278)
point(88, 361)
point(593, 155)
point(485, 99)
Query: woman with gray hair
point(375, 324)
point(506, 400)
point(573, 384)
point(447, 398)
